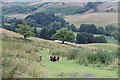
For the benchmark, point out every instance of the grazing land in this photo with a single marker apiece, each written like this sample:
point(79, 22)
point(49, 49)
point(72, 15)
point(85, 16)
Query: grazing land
point(59, 40)
point(14, 53)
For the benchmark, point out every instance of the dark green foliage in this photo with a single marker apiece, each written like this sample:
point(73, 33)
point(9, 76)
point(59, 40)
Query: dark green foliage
point(46, 34)
point(116, 35)
point(90, 38)
point(71, 27)
point(109, 29)
point(11, 24)
point(100, 30)
point(64, 35)
point(55, 25)
point(100, 39)
point(25, 30)
point(84, 38)
point(47, 20)
point(89, 28)
point(93, 5)
point(51, 33)
point(32, 22)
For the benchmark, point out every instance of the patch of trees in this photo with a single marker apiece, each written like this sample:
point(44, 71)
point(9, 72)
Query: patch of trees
point(84, 38)
point(46, 20)
point(11, 24)
point(46, 33)
point(109, 30)
point(49, 21)
point(88, 28)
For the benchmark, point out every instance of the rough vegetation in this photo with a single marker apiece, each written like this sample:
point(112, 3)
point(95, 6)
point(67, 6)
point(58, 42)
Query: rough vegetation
point(22, 59)
point(77, 34)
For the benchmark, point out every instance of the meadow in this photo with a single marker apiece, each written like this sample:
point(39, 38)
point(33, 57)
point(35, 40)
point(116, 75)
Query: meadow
point(21, 58)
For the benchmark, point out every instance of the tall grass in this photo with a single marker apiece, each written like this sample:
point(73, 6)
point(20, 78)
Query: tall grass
point(86, 57)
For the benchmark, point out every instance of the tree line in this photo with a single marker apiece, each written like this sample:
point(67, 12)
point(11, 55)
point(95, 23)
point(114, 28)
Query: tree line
point(51, 27)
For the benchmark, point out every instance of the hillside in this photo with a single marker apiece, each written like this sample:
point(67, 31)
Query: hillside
point(100, 19)
point(107, 6)
point(45, 40)
point(105, 15)
point(14, 53)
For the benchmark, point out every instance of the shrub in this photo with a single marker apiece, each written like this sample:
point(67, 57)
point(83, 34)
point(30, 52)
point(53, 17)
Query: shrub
point(72, 53)
point(101, 57)
point(87, 57)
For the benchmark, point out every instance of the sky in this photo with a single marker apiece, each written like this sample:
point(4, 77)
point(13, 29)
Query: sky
point(59, 0)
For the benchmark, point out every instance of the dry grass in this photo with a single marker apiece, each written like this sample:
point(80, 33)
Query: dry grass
point(103, 7)
point(9, 33)
point(103, 44)
point(101, 19)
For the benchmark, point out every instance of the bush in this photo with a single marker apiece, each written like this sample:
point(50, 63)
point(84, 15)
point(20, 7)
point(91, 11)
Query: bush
point(101, 57)
point(72, 53)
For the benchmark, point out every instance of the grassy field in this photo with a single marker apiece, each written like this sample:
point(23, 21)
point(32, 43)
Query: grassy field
point(112, 41)
point(18, 63)
point(100, 19)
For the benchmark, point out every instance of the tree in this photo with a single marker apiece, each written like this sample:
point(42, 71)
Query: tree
point(55, 25)
point(109, 29)
point(82, 38)
point(90, 38)
point(100, 30)
point(100, 39)
point(64, 35)
point(51, 33)
point(44, 33)
point(71, 27)
point(25, 30)
point(116, 35)
point(88, 28)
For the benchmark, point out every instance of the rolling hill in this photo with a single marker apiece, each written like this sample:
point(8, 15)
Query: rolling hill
point(14, 54)
point(30, 58)
point(100, 19)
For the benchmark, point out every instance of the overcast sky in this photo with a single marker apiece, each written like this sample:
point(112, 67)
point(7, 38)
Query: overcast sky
point(58, 0)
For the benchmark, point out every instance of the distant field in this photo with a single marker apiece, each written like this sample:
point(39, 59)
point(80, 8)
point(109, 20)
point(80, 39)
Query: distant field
point(100, 19)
